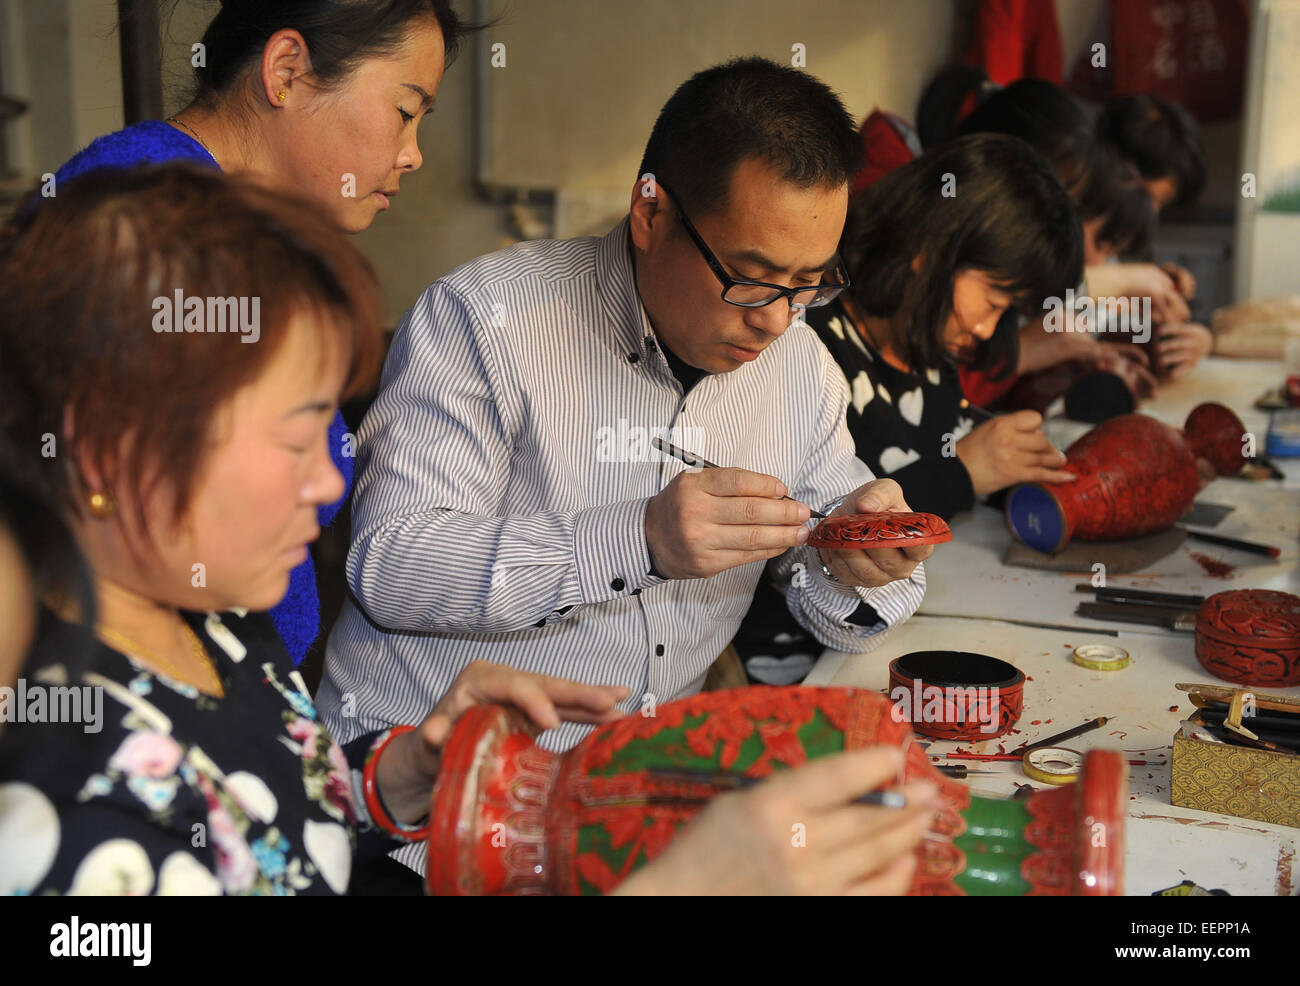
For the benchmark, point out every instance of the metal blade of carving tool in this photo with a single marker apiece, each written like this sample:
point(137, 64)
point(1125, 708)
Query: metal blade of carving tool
point(1022, 623)
point(1118, 594)
point(1171, 618)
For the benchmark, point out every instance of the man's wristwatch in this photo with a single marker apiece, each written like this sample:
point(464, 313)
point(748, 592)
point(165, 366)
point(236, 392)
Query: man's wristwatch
point(828, 511)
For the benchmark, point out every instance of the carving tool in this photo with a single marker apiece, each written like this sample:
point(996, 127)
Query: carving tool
point(1277, 735)
point(1122, 594)
point(1253, 547)
point(1235, 738)
point(724, 781)
point(990, 757)
point(1202, 694)
point(1169, 617)
point(1087, 727)
point(691, 459)
point(976, 410)
point(1021, 623)
point(958, 770)
point(1017, 756)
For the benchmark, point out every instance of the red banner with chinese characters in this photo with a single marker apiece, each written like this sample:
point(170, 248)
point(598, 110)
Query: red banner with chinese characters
point(1191, 52)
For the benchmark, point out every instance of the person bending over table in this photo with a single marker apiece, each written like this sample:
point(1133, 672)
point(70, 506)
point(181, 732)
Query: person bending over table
point(192, 494)
point(942, 281)
point(509, 504)
point(947, 254)
point(1118, 217)
point(318, 99)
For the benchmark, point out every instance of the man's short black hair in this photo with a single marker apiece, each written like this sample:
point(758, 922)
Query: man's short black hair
point(1161, 138)
point(750, 107)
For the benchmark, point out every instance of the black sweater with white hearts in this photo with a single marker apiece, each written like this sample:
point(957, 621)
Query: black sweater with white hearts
point(905, 425)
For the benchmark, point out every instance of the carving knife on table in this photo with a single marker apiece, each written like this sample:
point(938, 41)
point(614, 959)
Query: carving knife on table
point(1169, 617)
point(1141, 597)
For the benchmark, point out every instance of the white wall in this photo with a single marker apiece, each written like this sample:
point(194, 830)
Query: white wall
point(62, 58)
point(572, 107)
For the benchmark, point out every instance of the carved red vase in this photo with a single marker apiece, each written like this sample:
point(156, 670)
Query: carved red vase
point(1251, 637)
point(510, 817)
point(1135, 476)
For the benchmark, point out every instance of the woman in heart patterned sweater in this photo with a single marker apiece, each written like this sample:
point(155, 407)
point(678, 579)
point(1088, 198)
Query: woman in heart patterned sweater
point(947, 255)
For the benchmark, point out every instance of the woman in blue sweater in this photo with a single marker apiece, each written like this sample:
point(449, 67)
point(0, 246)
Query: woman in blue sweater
point(289, 96)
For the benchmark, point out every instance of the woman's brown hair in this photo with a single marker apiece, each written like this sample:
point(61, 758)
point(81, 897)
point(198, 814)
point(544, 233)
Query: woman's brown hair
point(85, 279)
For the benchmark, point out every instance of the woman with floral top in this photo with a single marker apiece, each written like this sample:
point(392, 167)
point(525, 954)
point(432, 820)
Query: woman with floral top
point(201, 767)
point(173, 748)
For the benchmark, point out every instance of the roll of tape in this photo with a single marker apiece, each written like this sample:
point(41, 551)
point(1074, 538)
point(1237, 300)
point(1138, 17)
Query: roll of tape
point(1053, 765)
point(1100, 657)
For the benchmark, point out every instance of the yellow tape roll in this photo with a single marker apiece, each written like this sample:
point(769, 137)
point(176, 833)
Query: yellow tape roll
point(1052, 765)
point(1100, 657)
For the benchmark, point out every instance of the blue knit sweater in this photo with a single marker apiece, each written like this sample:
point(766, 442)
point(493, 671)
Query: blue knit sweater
point(297, 617)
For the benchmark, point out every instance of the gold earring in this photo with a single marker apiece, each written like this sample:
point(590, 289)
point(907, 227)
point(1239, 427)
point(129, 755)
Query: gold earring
point(101, 505)
point(282, 95)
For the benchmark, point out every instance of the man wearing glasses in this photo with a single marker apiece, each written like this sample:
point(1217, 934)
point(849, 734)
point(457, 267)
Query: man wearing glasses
point(492, 518)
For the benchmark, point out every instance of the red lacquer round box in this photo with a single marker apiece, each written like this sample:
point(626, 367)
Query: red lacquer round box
point(883, 530)
point(954, 695)
point(1251, 637)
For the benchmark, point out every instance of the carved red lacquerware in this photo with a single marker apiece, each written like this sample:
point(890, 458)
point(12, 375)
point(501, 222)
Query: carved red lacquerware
point(1251, 637)
point(886, 530)
point(953, 695)
point(1135, 476)
point(510, 817)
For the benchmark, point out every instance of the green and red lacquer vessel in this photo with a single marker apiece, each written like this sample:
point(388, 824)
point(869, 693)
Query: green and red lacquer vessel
point(510, 817)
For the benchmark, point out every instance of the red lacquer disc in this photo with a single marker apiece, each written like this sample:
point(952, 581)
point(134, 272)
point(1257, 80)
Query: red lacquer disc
point(887, 530)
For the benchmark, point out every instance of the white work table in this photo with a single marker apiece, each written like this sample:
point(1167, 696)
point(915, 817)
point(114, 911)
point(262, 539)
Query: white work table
point(971, 594)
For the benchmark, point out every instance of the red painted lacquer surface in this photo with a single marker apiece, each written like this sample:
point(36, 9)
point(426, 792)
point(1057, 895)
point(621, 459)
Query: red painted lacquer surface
point(1136, 476)
point(1251, 637)
point(506, 815)
point(964, 709)
point(1076, 833)
point(887, 530)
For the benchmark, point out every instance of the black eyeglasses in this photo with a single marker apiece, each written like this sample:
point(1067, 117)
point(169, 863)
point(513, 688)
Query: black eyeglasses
point(745, 293)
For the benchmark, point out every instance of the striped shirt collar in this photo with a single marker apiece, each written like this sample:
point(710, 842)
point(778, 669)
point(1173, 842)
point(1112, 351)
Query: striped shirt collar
point(616, 282)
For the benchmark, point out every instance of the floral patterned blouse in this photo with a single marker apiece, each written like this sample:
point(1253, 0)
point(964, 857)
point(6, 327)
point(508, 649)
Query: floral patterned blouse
point(172, 791)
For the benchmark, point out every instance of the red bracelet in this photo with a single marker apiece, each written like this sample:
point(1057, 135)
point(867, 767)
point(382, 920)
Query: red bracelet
point(375, 804)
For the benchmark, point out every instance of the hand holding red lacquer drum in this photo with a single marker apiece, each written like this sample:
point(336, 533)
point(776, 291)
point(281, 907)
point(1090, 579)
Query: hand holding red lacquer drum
point(899, 529)
point(1250, 637)
point(956, 695)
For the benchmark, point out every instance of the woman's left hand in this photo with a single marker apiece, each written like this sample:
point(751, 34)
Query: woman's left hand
point(871, 567)
point(409, 765)
point(1184, 280)
point(1182, 346)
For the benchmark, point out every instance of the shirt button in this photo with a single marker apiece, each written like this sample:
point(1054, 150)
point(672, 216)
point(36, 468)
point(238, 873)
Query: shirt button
point(633, 357)
point(659, 650)
point(617, 585)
